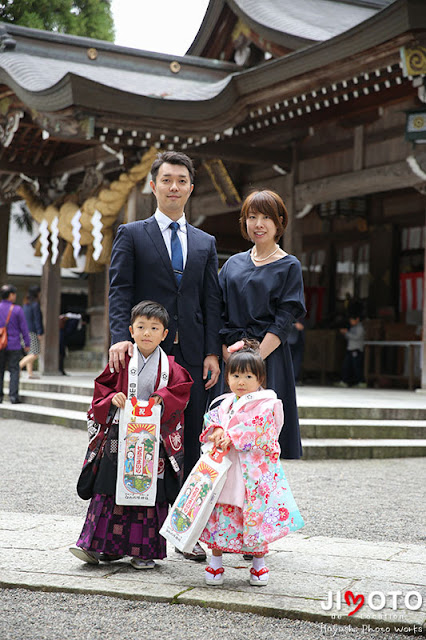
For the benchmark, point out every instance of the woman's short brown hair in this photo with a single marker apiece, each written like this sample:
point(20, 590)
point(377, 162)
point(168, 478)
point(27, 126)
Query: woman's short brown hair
point(269, 203)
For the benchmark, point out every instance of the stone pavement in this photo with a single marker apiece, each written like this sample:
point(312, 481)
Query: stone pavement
point(304, 570)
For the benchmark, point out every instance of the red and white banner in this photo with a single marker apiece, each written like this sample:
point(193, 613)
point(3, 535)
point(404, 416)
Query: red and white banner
point(411, 291)
point(314, 299)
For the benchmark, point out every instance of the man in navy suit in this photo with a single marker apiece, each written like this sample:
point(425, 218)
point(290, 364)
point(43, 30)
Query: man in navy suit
point(142, 269)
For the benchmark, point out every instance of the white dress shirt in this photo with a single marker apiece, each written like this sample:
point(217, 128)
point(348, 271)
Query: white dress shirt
point(164, 224)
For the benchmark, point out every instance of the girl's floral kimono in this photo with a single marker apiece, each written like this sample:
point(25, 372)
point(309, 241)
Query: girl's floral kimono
point(256, 505)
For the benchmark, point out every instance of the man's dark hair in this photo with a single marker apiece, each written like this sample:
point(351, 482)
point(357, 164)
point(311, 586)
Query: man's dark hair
point(150, 309)
point(6, 290)
point(33, 292)
point(172, 157)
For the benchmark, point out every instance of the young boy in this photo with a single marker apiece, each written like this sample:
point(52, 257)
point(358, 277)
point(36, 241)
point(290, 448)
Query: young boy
point(352, 369)
point(112, 531)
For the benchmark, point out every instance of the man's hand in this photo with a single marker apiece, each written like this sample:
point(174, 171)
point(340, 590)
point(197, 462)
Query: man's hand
point(157, 399)
point(211, 363)
point(119, 400)
point(117, 354)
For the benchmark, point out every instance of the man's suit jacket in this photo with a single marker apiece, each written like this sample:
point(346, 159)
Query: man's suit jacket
point(141, 269)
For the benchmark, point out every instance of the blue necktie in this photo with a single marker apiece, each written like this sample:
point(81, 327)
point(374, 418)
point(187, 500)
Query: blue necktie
point(177, 256)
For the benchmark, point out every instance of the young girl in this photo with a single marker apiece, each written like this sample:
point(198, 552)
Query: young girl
point(256, 505)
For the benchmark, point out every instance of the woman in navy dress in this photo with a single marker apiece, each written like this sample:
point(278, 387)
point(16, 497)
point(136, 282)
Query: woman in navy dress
point(263, 296)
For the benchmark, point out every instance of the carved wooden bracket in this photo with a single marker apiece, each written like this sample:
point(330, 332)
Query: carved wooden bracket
point(66, 123)
point(9, 124)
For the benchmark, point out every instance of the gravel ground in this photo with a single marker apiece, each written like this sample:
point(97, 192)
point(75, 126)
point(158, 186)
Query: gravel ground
point(365, 499)
point(30, 615)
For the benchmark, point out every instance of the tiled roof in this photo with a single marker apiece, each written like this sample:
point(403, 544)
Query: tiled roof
point(38, 74)
point(315, 20)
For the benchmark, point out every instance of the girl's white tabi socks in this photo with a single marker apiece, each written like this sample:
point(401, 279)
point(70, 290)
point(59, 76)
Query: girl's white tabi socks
point(259, 563)
point(215, 563)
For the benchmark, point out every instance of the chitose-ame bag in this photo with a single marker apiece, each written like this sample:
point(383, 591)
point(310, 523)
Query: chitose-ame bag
point(192, 508)
point(138, 452)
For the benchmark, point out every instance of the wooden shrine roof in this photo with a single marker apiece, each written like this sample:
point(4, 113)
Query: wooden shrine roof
point(284, 23)
point(64, 99)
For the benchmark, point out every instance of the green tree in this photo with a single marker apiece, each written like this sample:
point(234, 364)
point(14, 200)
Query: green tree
point(91, 18)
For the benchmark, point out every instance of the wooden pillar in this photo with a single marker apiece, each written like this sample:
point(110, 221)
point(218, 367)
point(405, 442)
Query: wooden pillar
point(292, 237)
point(146, 205)
point(4, 241)
point(132, 201)
point(382, 266)
point(423, 347)
point(96, 310)
point(50, 306)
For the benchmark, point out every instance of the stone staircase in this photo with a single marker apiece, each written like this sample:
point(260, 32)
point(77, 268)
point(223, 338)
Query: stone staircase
point(367, 429)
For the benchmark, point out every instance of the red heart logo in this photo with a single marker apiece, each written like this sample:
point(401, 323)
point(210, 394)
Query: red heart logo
point(359, 598)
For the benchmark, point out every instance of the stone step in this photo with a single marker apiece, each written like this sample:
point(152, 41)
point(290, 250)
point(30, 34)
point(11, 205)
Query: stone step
point(362, 413)
point(313, 449)
point(342, 449)
point(45, 415)
point(60, 401)
point(361, 429)
point(81, 359)
point(307, 414)
point(66, 385)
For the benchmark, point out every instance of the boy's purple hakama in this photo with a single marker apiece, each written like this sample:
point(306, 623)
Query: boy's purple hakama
point(134, 530)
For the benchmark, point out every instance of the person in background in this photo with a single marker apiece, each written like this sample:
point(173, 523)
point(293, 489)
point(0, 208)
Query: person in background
point(16, 329)
point(69, 323)
point(32, 313)
point(353, 362)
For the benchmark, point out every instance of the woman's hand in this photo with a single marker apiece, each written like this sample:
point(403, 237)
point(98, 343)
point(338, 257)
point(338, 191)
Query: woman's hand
point(119, 400)
point(269, 343)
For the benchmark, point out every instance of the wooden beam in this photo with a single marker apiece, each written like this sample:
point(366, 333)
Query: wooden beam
point(397, 175)
point(243, 154)
point(29, 169)
point(77, 162)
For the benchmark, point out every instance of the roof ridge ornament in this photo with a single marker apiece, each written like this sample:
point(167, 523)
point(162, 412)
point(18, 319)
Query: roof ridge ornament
point(7, 43)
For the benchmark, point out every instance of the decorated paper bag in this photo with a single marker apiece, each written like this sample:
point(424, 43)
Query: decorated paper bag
point(192, 508)
point(138, 449)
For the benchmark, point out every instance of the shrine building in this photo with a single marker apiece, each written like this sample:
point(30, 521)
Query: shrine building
point(323, 102)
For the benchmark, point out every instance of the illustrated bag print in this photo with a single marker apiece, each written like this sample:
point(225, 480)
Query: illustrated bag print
point(138, 452)
point(192, 508)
